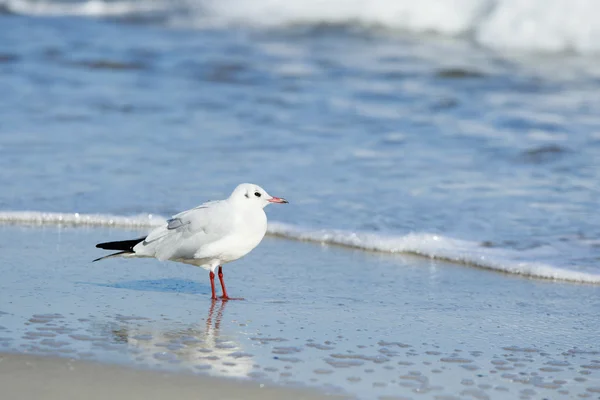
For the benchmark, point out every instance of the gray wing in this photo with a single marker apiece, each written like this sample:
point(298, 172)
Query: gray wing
point(185, 234)
point(175, 223)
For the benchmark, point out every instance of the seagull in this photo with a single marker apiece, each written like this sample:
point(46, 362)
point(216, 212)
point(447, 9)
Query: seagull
point(208, 236)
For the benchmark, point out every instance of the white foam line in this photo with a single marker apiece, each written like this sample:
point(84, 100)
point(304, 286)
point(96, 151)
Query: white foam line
point(76, 219)
point(89, 8)
point(422, 244)
point(438, 247)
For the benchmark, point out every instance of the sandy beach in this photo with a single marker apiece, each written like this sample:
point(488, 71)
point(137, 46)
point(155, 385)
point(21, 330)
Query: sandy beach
point(25, 377)
point(401, 326)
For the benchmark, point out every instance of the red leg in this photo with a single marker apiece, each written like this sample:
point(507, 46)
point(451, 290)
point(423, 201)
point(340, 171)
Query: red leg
point(212, 285)
point(224, 297)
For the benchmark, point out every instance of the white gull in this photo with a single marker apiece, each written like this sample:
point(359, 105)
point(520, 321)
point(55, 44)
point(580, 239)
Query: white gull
point(208, 236)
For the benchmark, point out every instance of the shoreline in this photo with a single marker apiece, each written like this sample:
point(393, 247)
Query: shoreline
point(445, 249)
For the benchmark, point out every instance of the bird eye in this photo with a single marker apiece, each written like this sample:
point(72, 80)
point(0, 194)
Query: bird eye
point(257, 194)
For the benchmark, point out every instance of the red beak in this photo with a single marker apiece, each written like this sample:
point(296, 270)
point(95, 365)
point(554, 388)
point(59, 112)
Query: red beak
point(278, 200)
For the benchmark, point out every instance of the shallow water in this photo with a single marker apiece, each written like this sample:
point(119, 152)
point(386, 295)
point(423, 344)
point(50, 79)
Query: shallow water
point(363, 130)
point(395, 325)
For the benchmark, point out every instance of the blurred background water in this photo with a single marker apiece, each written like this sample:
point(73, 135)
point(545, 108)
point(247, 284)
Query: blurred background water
point(474, 123)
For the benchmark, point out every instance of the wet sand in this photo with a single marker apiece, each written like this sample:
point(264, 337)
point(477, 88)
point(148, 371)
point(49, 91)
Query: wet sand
point(26, 377)
point(338, 320)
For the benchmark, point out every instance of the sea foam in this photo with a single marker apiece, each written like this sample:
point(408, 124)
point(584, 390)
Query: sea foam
point(532, 25)
point(421, 244)
point(88, 8)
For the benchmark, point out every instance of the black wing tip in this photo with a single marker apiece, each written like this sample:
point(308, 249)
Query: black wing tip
point(106, 245)
point(126, 245)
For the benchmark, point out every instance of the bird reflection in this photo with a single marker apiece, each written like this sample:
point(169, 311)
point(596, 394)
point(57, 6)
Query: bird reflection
point(211, 312)
point(191, 347)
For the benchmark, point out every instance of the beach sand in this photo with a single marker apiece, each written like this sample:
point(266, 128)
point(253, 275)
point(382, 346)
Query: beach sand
point(26, 377)
point(338, 320)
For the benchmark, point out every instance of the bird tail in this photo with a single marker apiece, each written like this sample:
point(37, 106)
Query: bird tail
point(125, 247)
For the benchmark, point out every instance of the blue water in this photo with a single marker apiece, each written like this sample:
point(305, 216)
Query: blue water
point(364, 130)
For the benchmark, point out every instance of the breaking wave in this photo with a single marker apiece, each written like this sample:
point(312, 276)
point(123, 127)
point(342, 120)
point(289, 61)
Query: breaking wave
point(422, 244)
point(534, 25)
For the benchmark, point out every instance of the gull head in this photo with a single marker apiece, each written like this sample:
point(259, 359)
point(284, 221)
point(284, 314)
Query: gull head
point(248, 193)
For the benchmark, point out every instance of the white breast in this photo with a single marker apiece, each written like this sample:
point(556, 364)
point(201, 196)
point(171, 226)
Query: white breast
point(249, 229)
